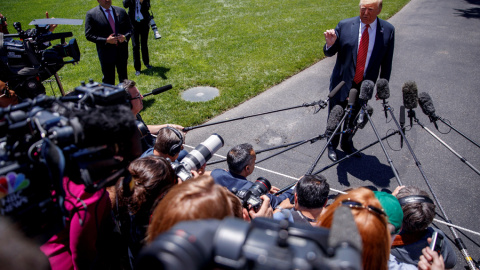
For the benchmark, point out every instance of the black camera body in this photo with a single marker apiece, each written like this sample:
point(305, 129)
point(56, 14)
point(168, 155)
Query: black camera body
point(88, 137)
point(252, 195)
point(30, 61)
point(264, 244)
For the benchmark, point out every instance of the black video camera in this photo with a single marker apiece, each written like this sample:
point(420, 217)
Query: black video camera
point(89, 137)
point(252, 195)
point(264, 244)
point(30, 61)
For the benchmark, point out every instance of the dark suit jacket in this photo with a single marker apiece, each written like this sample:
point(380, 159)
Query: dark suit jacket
point(97, 30)
point(346, 47)
point(144, 8)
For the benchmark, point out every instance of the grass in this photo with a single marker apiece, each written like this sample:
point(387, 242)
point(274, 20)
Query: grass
point(240, 47)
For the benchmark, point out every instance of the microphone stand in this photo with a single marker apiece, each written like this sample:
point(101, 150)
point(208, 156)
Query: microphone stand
point(458, 241)
point(328, 141)
point(443, 120)
point(295, 144)
point(383, 147)
point(448, 147)
point(336, 162)
point(322, 104)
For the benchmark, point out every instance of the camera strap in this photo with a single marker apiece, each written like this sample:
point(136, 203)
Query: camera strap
point(298, 217)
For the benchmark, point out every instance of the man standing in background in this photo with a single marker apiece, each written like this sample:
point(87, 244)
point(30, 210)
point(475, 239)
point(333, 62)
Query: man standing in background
point(140, 17)
point(110, 29)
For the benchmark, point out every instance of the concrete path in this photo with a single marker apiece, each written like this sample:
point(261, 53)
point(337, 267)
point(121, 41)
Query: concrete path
point(437, 46)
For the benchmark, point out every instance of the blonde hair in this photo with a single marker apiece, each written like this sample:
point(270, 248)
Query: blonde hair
point(371, 226)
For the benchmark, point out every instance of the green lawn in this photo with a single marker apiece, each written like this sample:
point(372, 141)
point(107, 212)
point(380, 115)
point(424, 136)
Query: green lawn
point(240, 47)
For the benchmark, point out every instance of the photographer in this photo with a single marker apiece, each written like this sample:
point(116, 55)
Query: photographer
point(136, 103)
point(3, 24)
point(199, 198)
point(138, 11)
point(152, 178)
point(241, 163)
point(311, 196)
point(419, 211)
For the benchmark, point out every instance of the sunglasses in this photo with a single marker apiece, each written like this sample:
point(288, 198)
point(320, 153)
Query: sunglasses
point(137, 97)
point(356, 205)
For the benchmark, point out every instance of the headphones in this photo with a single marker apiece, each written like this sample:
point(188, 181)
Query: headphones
point(178, 146)
point(414, 199)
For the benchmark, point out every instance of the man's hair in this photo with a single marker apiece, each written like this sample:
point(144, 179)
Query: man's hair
point(195, 199)
point(127, 84)
point(239, 157)
point(166, 138)
point(380, 2)
point(312, 191)
point(416, 216)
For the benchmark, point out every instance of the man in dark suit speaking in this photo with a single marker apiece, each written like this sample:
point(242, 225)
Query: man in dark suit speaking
point(110, 29)
point(364, 47)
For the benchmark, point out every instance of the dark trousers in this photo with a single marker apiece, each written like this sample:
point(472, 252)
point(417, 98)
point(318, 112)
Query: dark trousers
point(140, 41)
point(108, 68)
point(349, 123)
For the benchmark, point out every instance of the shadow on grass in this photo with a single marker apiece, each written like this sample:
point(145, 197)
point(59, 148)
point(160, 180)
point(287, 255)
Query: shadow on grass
point(147, 102)
point(157, 71)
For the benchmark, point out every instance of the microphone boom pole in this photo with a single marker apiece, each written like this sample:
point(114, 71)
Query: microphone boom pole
point(384, 149)
point(463, 135)
point(464, 160)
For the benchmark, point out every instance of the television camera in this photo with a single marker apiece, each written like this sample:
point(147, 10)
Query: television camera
point(31, 59)
point(264, 244)
point(88, 137)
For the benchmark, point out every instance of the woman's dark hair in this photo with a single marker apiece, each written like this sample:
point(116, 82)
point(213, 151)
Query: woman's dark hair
point(152, 177)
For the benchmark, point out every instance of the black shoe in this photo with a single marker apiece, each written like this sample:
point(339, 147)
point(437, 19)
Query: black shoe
point(149, 67)
point(349, 149)
point(332, 155)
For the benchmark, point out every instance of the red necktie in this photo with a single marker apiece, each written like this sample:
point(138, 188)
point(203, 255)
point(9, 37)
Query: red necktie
point(112, 22)
point(361, 56)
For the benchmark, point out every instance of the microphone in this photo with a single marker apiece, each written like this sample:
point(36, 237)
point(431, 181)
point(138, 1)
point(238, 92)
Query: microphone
point(345, 239)
point(410, 95)
point(159, 90)
point(366, 90)
point(410, 98)
point(402, 123)
point(334, 118)
point(323, 103)
point(336, 89)
point(427, 107)
point(383, 91)
point(352, 98)
point(362, 122)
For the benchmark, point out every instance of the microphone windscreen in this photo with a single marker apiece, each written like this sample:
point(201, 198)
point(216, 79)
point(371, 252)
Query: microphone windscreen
point(426, 104)
point(366, 90)
point(334, 118)
point(410, 95)
point(383, 90)
point(344, 230)
point(106, 125)
point(336, 89)
point(352, 96)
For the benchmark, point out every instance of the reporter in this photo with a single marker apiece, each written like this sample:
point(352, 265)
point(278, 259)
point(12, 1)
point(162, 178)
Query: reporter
point(198, 198)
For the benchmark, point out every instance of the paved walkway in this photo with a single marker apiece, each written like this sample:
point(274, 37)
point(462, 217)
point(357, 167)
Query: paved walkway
point(437, 46)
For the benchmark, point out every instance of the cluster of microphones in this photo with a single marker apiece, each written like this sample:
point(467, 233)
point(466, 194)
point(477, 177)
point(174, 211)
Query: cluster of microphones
point(410, 99)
